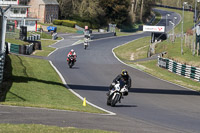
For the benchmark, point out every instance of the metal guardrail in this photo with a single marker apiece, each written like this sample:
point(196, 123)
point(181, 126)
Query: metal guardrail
point(180, 69)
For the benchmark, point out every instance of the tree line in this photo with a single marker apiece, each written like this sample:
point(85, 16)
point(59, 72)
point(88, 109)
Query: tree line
point(102, 12)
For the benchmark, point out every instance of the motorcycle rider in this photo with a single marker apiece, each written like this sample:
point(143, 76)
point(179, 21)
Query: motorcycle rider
point(72, 52)
point(86, 39)
point(124, 76)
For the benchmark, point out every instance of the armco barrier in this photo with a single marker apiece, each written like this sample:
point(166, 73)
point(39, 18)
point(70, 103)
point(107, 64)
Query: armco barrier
point(180, 69)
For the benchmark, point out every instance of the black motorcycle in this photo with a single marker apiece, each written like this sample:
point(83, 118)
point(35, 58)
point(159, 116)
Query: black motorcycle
point(71, 61)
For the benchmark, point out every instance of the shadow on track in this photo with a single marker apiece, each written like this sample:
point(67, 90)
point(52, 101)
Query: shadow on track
point(164, 91)
point(128, 106)
point(137, 90)
point(74, 68)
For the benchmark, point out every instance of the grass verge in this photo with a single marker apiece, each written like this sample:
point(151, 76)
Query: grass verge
point(152, 68)
point(134, 50)
point(26, 84)
point(36, 128)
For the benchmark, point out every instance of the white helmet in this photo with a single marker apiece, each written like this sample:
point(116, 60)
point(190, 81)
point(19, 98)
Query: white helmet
point(72, 50)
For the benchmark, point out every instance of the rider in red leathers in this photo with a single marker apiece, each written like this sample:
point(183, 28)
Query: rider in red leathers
point(72, 52)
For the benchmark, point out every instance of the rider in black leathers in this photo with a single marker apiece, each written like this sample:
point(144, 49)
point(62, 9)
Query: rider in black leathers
point(123, 76)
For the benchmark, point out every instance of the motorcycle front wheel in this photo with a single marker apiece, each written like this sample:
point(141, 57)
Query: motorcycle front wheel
point(115, 100)
point(70, 64)
point(85, 46)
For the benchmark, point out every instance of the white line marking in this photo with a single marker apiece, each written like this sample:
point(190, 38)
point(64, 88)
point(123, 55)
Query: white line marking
point(64, 82)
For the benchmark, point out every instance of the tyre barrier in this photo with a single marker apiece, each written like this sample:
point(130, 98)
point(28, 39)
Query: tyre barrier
point(33, 37)
point(24, 49)
point(180, 69)
point(2, 62)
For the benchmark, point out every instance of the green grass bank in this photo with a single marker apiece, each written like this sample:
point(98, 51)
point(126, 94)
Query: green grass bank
point(36, 128)
point(33, 82)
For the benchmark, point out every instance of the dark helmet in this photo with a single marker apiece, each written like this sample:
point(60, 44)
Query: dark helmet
point(124, 74)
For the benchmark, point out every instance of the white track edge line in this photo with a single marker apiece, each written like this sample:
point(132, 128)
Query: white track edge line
point(64, 82)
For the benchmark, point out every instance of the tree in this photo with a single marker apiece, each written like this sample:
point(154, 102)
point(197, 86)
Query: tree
point(68, 8)
point(117, 11)
point(90, 11)
point(141, 10)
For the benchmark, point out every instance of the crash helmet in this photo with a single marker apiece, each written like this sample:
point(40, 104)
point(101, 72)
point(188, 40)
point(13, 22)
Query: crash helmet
point(72, 51)
point(124, 74)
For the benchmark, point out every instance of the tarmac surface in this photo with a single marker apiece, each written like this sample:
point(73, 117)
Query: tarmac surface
point(152, 106)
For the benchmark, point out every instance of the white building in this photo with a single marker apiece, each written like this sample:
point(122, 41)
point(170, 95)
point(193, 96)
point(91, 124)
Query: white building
point(19, 14)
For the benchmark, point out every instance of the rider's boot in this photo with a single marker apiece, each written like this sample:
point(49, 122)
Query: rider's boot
point(108, 93)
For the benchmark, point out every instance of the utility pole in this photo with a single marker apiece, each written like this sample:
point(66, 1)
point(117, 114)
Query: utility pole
point(3, 28)
point(184, 3)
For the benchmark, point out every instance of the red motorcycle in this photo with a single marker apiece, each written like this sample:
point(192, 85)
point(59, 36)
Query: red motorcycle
point(71, 60)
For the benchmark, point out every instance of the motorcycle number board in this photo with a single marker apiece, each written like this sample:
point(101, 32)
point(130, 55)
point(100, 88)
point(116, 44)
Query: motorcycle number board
point(154, 28)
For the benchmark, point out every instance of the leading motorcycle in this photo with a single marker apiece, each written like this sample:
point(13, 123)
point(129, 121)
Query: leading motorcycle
point(71, 61)
point(119, 90)
point(86, 42)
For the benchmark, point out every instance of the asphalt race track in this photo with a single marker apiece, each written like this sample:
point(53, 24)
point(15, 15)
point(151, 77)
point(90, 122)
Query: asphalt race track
point(153, 105)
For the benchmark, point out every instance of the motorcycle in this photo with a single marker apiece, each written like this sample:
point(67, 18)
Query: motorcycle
point(71, 61)
point(116, 93)
point(86, 43)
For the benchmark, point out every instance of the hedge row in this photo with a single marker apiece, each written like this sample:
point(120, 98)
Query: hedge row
point(72, 24)
point(67, 23)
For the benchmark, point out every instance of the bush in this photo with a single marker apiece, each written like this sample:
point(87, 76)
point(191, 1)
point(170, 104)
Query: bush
point(72, 24)
point(68, 23)
point(57, 22)
point(95, 26)
point(83, 24)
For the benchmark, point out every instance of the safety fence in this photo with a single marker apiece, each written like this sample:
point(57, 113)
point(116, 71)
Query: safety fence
point(180, 69)
point(2, 62)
